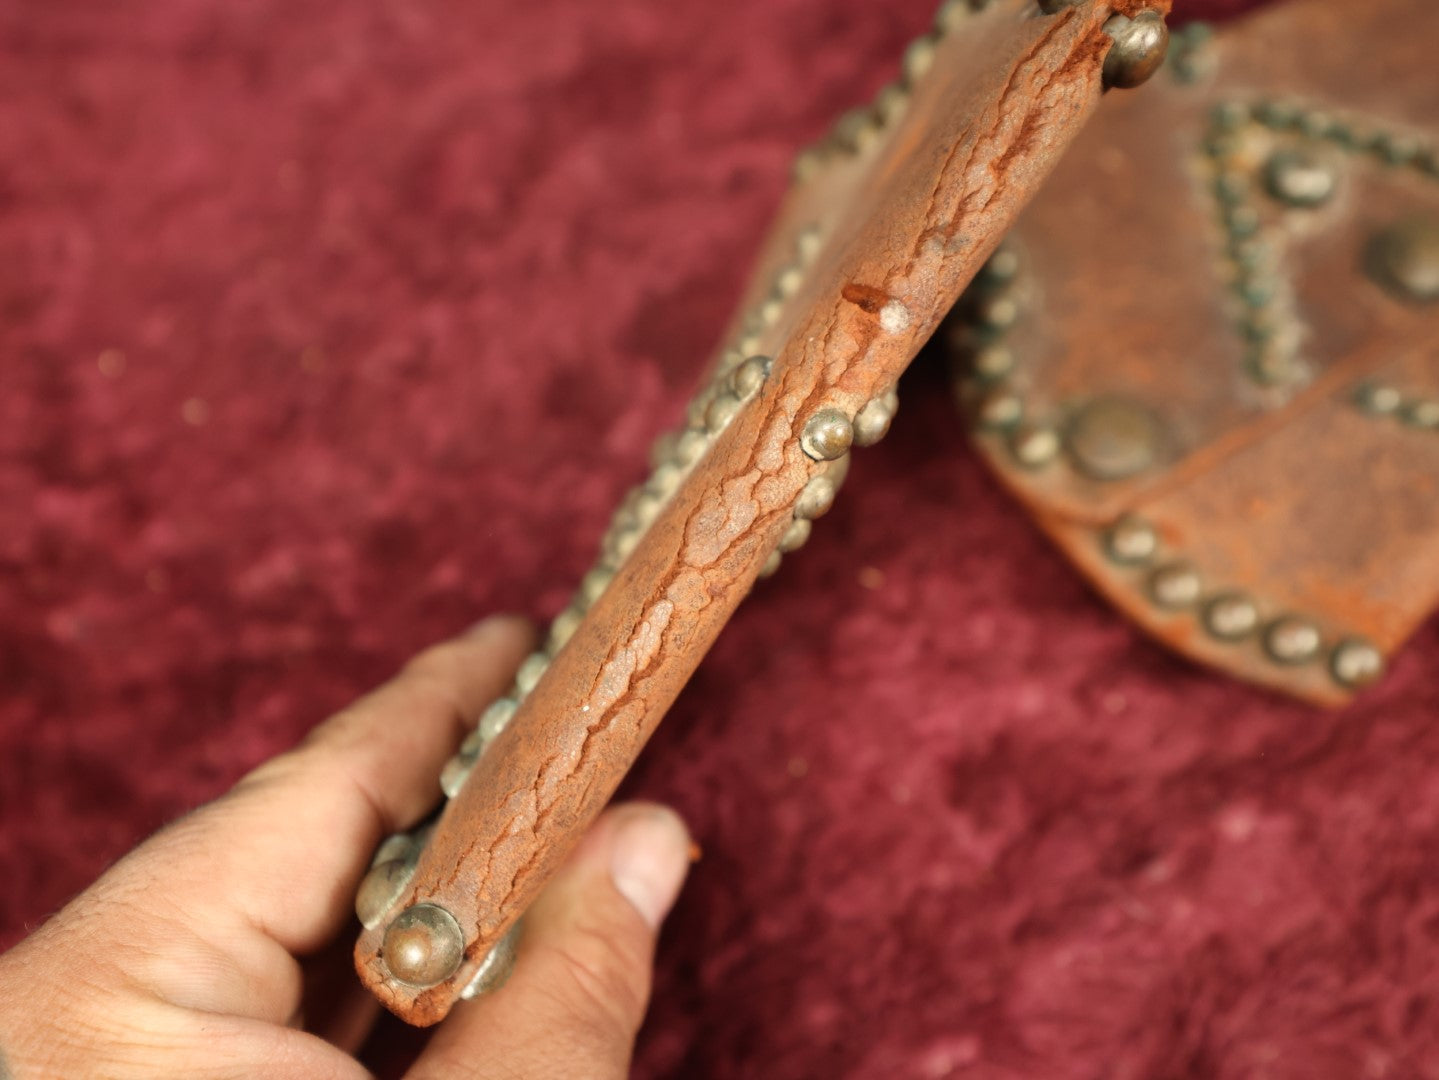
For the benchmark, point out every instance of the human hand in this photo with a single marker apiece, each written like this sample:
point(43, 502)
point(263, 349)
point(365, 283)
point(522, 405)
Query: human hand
point(219, 947)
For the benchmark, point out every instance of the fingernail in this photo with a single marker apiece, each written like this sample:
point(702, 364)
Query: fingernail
point(496, 624)
point(649, 860)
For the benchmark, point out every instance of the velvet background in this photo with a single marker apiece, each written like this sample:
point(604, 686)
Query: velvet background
point(328, 326)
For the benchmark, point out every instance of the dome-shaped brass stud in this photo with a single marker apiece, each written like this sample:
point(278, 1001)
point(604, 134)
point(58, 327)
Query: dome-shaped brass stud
point(1140, 44)
point(423, 946)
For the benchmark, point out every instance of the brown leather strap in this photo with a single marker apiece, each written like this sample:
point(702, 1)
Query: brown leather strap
point(888, 221)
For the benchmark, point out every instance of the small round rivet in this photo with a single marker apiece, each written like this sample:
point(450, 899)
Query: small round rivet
point(594, 584)
point(1404, 258)
point(423, 946)
point(497, 717)
point(1175, 586)
point(1292, 640)
point(919, 57)
point(721, 411)
point(1422, 413)
point(1113, 438)
point(1231, 616)
point(1356, 662)
point(380, 888)
point(1002, 267)
point(455, 773)
point(827, 434)
point(796, 535)
point(872, 422)
point(998, 311)
point(771, 565)
point(816, 498)
point(1300, 178)
point(1131, 541)
point(1034, 445)
point(1139, 47)
point(750, 375)
point(999, 409)
point(532, 668)
point(691, 446)
point(562, 629)
point(993, 361)
point(1378, 399)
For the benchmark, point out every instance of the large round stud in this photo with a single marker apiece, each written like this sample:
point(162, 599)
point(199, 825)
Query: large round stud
point(1300, 178)
point(423, 946)
point(816, 498)
point(494, 971)
point(1138, 50)
point(1034, 445)
point(1292, 640)
point(827, 434)
point(1231, 616)
point(1356, 662)
point(1404, 258)
point(872, 422)
point(1175, 586)
point(1131, 541)
point(380, 888)
point(1113, 438)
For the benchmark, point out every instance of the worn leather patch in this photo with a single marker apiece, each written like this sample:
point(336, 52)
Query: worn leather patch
point(1208, 359)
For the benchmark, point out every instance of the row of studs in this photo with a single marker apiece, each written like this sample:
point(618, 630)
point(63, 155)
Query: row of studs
point(1190, 59)
point(862, 127)
point(1380, 399)
point(1300, 179)
point(1233, 617)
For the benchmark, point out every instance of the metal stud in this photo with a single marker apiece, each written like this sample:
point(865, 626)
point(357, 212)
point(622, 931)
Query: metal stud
point(1034, 445)
point(1404, 258)
point(1231, 616)
point(691, 446)
point(423, 946)
point(1300, 178)
point(532, 668)
point(1175, 586)
point(1000, 409)
point(594, 584)
point(992, 361)
point(1113, 438)
point(721, 411)
point(494, 971)
point(474, 744)
point(827, 434)
point(380, 888)
point(872, 422)
point(1356, 662)
point(1131, 541)
point(1422, 413)
point(1002, 267)
point(1292, 640)
point(497, 717)
point(771, 565)
point(750, 375)
point(455, 773)
point(998, 311)
point(796, 535)
point(1378, 399)
point(563, 628)
point(816, 498)
point(1139, 48)
point(919, 57)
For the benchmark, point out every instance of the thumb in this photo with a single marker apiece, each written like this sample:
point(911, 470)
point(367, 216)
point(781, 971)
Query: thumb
point(582, 978)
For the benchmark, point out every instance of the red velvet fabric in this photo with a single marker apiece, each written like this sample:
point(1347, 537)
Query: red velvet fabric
point(328, 326)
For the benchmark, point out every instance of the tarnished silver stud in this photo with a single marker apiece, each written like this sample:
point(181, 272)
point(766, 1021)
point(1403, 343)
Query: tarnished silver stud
point(1292, 640)
point(455, 773)
point(664, 448)
point(750, 375)
point(497, 717)
point(1140, 44)
point(1002, 267)
point(816, 498)
point(474, 744)
point(1034, 445)
point(919, 57)
point(993, 361)
point(1131, 541)
point(1356, 662)
point(563, 628)
point(998, 311)
point(1422, 413)
point(494, 971)
point(691, 446)
point(1231, 616)
point(809, 242)
point(890, 103)
point(827, 434)
point(381, 888)
point(1113, 438)
point(423, 946)
point(1379, 399)
point(771, 565)
point(1404, 258)
point(594, 584)
point(721, 411)
point(788, 281)
point(999, 409)
point(1176, 585)
point(531, 670)
point(872, 422)
point(1300, 178)
point(796, 535)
